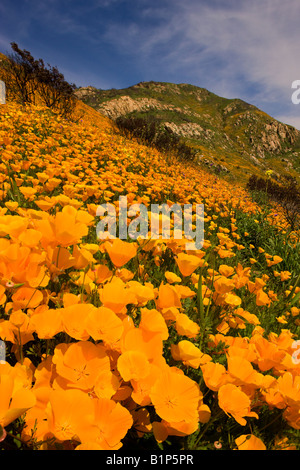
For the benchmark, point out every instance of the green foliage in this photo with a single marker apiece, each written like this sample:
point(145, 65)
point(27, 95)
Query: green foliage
point(285, 194)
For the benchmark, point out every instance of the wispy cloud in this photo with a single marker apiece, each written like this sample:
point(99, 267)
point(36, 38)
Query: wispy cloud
point(235, 48)
point(257, 38)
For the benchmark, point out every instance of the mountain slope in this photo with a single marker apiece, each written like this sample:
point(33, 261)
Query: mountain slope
point(229, 135)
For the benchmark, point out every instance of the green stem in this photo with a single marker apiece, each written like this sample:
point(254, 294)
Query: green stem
point(207, 426)
point(14, 437)
point(82, 287)
point(200, 305)
point(20, 347)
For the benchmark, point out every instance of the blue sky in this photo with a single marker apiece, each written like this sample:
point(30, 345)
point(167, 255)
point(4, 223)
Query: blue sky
point(246, 49)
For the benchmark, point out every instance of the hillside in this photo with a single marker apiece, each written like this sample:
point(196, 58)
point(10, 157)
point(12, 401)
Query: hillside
point(138, 343)
point(231, 136)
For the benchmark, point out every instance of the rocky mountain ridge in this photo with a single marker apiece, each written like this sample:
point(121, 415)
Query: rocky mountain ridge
point(229, 134)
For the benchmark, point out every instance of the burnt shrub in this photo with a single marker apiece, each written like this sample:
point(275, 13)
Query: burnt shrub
point(285, 193)
point(151, 131)
point(28, 80)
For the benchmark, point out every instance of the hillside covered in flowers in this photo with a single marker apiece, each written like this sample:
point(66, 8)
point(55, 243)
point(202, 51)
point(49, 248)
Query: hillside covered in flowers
point(138, 344)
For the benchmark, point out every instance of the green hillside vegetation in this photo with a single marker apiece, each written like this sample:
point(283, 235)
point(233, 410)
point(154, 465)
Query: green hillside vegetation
point(143, 343)
point(233, 138)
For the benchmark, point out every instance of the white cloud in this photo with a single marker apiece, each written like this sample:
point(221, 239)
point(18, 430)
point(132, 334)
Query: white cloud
point(258, 39)
point(237, 49)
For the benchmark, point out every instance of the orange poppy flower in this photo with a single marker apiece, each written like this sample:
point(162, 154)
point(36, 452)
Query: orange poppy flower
point(70, 299)
point(249, 442)
point(248, 352)
point(2, 295)
point(143, 386)
point(204, 413)
point(285, 275)
point(15, 400)
point(241, 277)
point(160, 430)
point(82, 216)
point(28, 192)
point(225, 253)
point(289, 388)
point(80, 363)
point(170, 314)
point(163, 429)
point(70, 415)
point(30, 238)
point(27, 297)
point(283, 444)
point(103, 324)
point(45, 203)
point(152, 322)
point(36, 275)
point(82, 257)
point(172, 277)
point(268, 354)
point(142, 293)
point(59, 259)
point(74, 320)
point(262, 298)
point(232, 299)
point(116, 296)
point(291, 415)
point(185, 326)
point(101, 273)
point(44, 373)
point(47, 323)
point(112, 423)
point(175, 397)
point(185, 292)
point(135, 339)
point(63, 229)
point(273, 397)
point(13, 226)
point(17, 329)
point(235, 403)
point(106, 384)
point(167, 297)
point(127, 275)
point(120, 252)
point(223, 285)
point(133, 365)
point(123, 392)
point(92, 446)
point(214, 375)
point(12, 205)
point(187, 264)
point(225, 270)
point(189, 354)
point(68, 230)
point(249, 317)
point(242, 372)
point(276, 260)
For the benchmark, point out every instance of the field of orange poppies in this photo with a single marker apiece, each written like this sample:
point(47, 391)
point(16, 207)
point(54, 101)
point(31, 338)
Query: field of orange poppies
point(138, 344)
